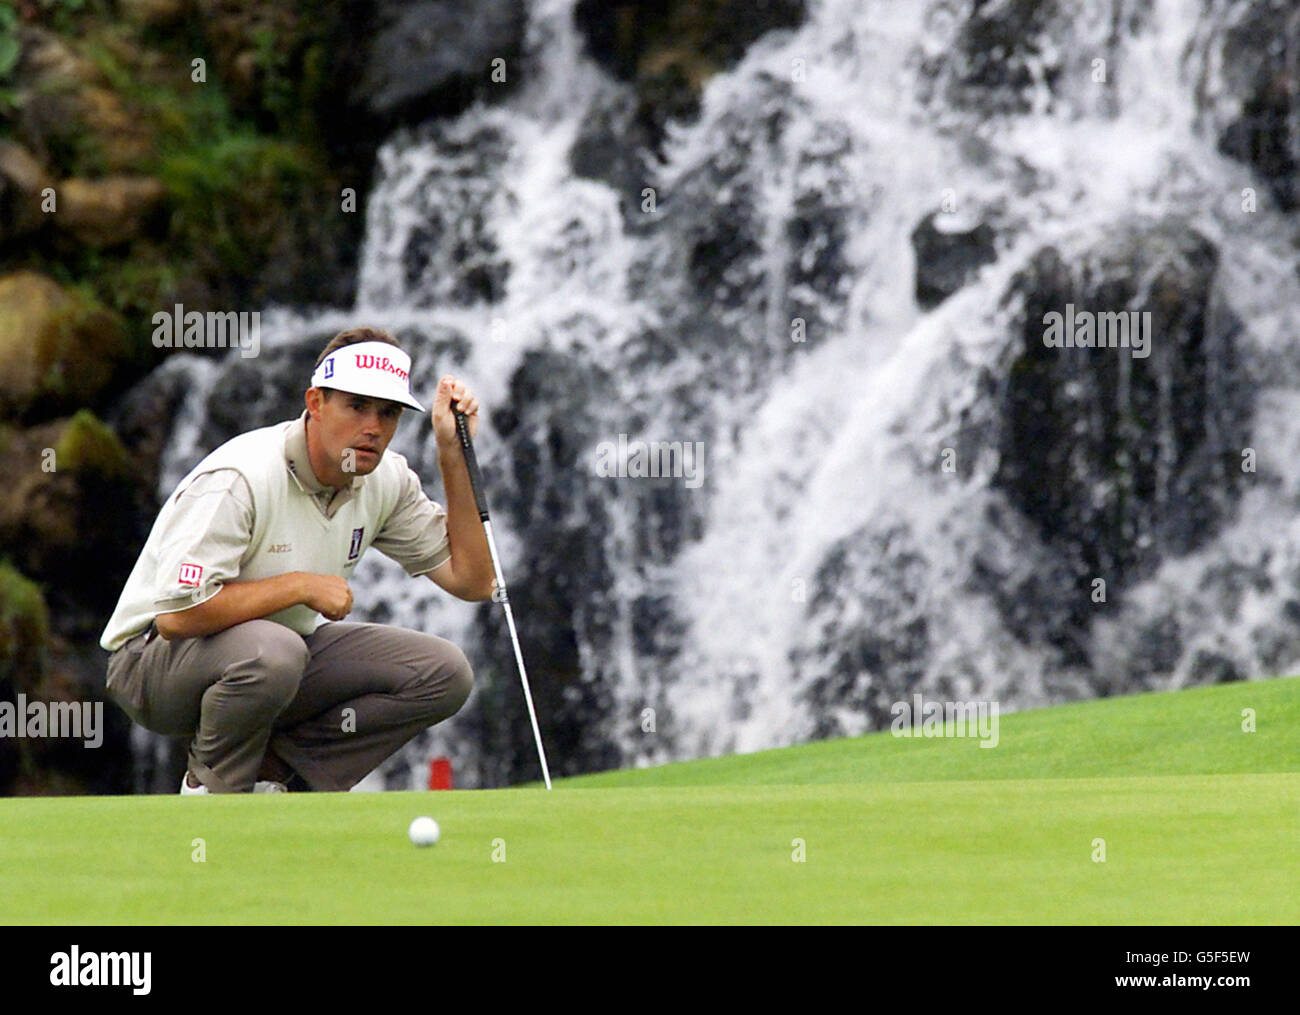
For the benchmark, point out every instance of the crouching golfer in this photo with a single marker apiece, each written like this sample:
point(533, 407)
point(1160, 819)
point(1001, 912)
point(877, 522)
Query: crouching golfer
point(221, 632)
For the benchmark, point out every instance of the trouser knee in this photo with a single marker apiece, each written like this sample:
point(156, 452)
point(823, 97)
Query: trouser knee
point(460, 681)
point(448, 679)
point(271, 674)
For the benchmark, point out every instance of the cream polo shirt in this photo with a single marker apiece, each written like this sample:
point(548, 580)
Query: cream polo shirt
point(240, 515)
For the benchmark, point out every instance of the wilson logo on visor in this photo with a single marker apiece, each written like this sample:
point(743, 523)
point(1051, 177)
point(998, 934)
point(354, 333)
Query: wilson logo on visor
point(365, 361)
point(374, 369)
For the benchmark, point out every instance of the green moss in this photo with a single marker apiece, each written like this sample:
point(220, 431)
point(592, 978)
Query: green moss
point(223, 163)
point(129, 287)
point(220, 172)
point(106, 60)
point(221, 190)
point(10, 49)
point(229, 164)
point(86, 329)
point(88, 444)
point(279, 91)
point(145, 283)
point(66, 15)
point(24, 621)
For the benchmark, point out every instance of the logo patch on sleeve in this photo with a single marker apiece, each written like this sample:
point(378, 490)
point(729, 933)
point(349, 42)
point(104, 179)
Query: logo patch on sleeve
point(354, 550)
point(191, 574)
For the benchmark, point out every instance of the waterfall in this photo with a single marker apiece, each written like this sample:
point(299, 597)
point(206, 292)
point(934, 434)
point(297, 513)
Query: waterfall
point(757, 294)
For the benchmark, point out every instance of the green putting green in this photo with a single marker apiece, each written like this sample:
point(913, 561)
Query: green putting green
point(1199, 821)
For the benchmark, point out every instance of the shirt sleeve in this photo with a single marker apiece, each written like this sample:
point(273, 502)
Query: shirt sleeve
point(207, 536)
point(415, 534)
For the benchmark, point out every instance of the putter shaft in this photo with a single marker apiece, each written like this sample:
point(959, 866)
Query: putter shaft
point(476, 484)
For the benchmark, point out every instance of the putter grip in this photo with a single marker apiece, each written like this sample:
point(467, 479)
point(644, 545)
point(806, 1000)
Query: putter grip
point(471, 462)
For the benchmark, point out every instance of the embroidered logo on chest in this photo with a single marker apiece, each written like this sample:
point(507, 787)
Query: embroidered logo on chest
point(280, 548)
point(354, 551)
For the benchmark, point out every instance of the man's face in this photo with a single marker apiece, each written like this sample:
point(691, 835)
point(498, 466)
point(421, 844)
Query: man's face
point(353, 430)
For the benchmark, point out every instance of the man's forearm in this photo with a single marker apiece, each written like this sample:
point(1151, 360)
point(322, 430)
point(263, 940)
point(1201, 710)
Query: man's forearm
point(234, 604)
point(470, 559)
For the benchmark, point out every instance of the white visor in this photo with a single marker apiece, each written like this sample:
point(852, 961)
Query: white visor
point(376, 369)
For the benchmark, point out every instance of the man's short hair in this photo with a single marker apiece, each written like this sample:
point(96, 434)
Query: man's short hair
point(351, 337)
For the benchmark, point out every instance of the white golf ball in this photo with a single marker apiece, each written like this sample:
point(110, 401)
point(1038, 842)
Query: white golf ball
point(424, 831)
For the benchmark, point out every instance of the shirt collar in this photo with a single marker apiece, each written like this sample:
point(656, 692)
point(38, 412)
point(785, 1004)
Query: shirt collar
point(298, 462)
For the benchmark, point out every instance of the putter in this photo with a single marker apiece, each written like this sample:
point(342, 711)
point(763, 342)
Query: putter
point(476, 483)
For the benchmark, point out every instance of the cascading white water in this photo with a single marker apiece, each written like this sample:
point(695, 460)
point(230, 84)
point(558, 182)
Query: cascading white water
point(479, 227)
point(851, 433)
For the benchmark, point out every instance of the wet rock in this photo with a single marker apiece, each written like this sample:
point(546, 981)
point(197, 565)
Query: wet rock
point(22, 182)
point(668, 51)
point(867, 606)
point(53, 522)
point(109, 211)
point(259, 391)
point(1255, 112)
point(432, 58)
point(631, 37)
point(562, 591)
point(153, 13)
point(1209, 667)
point(751, 268)
point(143, 420)
point(948, 253)
point(61, 348)
point(1119, 459)
point(67, 114)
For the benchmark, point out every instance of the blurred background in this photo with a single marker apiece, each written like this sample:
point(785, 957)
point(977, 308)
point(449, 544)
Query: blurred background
point(818, 238)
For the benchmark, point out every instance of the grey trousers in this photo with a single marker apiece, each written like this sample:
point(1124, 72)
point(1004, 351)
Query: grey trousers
point(332, 704)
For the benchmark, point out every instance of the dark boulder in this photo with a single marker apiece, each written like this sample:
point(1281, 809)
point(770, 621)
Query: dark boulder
point(667, 51)
point(998, 58)
point(1256, 108)
point(23, 181)
point(435, 57)
point(871, 640)
point(948, 255)
point(563, 590)
point(1119, 460)
point(53, 521)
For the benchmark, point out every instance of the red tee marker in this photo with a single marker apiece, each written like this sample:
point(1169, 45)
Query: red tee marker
point(440, 773)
